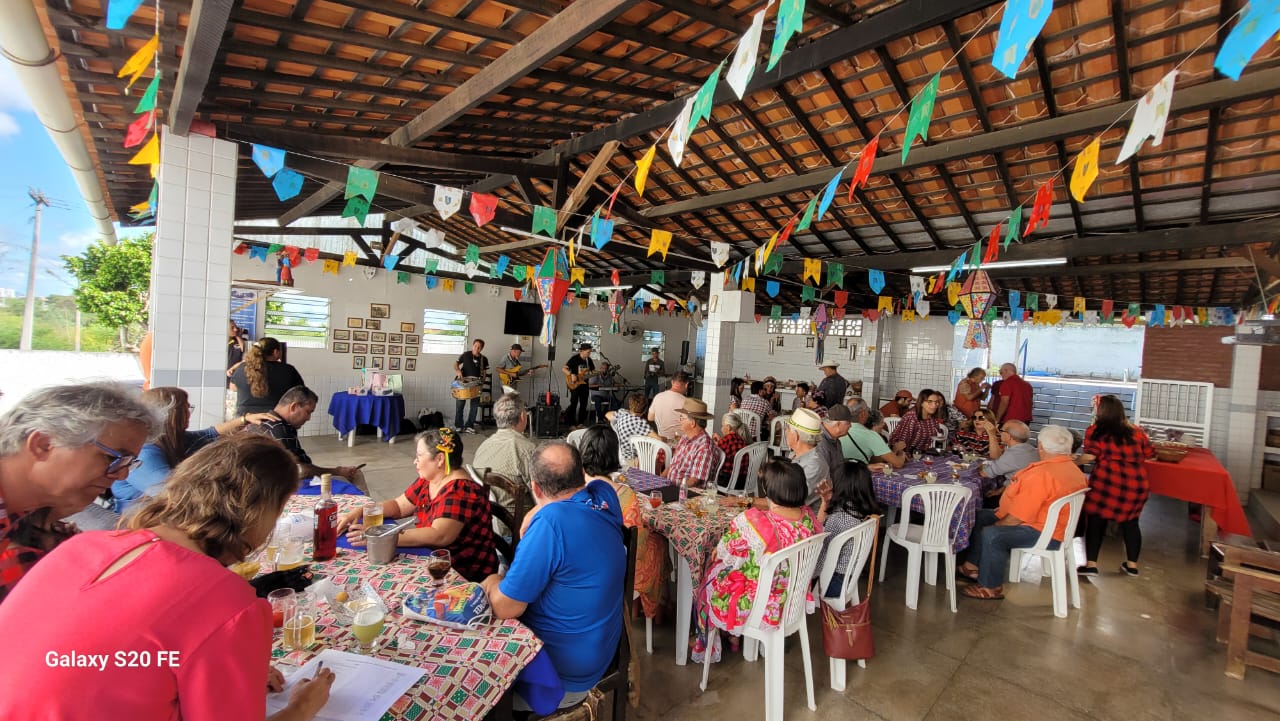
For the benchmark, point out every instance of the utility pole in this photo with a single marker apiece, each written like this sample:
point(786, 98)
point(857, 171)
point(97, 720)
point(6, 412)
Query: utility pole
point(29, 304)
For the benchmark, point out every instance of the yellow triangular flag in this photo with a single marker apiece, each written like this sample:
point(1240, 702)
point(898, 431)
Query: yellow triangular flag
point(140, 60)
point(577, 275)
point(953, 294)
point(582, 303)
point(812, 269)
point(155, 169)
point(1078, 306)
point(659, 242)
point(331, 266)
point(149, 154)
point(447, 285)
point(1086, 170)
point(349, 258)
point(764, 251)
point(655, 304)
point(642, 168)
point(909, 316)
point(140, 207)
point(886, 305)
point(749, 285)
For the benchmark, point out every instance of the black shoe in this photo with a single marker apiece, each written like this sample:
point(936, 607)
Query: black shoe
point(1131, 570)
point(1087, 571)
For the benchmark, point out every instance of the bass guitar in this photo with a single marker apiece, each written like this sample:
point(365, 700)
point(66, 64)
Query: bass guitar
point(509, 376)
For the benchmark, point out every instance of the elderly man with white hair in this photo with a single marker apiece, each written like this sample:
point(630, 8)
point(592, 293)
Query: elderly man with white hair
point(804, 430)
point(508, 450)
point(1023, 511)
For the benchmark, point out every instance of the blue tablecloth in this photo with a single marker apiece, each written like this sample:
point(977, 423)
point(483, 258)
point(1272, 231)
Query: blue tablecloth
point(384, 412)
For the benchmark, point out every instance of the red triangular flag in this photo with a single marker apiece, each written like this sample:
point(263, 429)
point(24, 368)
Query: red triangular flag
point(1107, 308)
point(871, 315)
point(841, 298)
point(293, 253)
point(140, 129)
point(758, 317)
point(483, 207)
point(312, 254)
point(865, 161)
point(241, 249)
point(993, 246)
point(616, 277)
point(518, 293)
point(608, 211)
point(786, 232)
point(837, 313)
point(1044, 204)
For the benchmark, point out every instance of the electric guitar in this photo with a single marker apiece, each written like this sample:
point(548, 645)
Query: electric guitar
point(509, 376)
point(574, 380)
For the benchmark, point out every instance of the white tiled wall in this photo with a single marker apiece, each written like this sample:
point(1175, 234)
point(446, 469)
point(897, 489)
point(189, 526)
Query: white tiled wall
point(916, 356)
point(191, 272)
point(754, 355)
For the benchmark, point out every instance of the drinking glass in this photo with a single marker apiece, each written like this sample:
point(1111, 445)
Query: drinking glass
point(438, 565)
point(655, 499)
point(274, 543)
point(280, 600)
point(300, 624)
point(373, 515)
point(367, 625)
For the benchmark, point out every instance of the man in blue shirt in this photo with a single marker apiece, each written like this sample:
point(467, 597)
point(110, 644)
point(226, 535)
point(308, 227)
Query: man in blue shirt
point(566, 582)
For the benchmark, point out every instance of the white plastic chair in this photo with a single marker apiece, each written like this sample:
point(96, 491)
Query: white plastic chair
point(575, 436)
point(940, 502)
point(801, 559)
point(751, 421)
point(713, 474)
point(1061, 560)
point(891, 422)
point(647, 449)
point(778, 435)
point(859, 539)
point(755, 455)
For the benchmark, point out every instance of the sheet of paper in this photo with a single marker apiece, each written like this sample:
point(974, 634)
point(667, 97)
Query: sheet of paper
point(363, 690)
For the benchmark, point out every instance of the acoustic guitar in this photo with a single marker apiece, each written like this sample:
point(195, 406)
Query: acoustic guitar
point(509, 376)
point(573, 380)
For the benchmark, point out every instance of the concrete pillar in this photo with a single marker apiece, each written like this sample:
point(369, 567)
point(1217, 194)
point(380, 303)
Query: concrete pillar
point(191, 270)
point(1245, 433)
point(718, 363)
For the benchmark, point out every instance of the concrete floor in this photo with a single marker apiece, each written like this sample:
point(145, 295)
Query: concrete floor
point(1140, 648)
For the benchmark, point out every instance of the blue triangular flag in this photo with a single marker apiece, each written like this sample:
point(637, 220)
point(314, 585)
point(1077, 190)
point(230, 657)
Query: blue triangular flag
point(503, 262)
point(828, 194)
point(268, 159)
point(1260, 23)
point(875, 278)
point(119, 12)
point(1019, 26)
point(953, 316)
point(432, 282)
point(1015, 297)
point(389, 261)
point(287, 183)
point(258, 252)
point(1157, 317)
point(772, 287)
point(601, 231)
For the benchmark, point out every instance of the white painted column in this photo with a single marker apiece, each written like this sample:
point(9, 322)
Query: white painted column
point(191, 270)
point(1245, 431)
point(718, 363)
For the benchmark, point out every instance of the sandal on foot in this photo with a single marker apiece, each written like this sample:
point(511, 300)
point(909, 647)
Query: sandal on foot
point(982, 593)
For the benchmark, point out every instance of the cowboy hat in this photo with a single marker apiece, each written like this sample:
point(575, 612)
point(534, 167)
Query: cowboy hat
point(695, 408)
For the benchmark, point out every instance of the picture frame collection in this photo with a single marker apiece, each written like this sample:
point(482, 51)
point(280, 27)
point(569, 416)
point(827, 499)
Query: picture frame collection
point(372, 347)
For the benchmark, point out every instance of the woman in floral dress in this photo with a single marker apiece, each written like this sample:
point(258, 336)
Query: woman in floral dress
point(725, 596)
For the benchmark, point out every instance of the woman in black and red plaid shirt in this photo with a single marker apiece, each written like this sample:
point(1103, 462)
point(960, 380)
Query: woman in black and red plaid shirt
point(1118, 487)
point(731, 439)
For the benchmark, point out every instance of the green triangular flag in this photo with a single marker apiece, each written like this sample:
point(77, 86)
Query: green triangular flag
point(807, 294)
point(774, 264)
point(544, 221)
point(357, 207)
point(790, 22)
point(468, 288)
point(921, 114)
point(807, 218)
point(431, 265)
point(361, 182)
point(657, 277)
point(473, 253)
point(402, 278)
point(702, 101)
point(990, 315)
point(154, 197)
point(148, 100)
point(776, 312)
point(975, 258)
point(274, 248)
point(835, 274)
point(1033, 301)
point(519, 272)
point(1013, 229)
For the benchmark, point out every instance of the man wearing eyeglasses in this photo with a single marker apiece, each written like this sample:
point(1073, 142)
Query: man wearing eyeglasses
point(291, 413)
point(1009, 451)
point(60, 448)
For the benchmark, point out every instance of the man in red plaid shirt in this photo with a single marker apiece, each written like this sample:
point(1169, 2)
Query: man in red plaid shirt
point(757, 404)
point(692, 458)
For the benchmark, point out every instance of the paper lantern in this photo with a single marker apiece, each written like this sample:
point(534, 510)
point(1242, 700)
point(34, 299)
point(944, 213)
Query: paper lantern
point(977, 294)
point(552, 281)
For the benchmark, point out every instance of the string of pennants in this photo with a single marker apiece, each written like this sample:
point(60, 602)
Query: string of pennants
point(142, 132)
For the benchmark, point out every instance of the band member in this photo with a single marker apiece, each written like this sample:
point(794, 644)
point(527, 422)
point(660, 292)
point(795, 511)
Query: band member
point(510, 370)
point(577, 372)
point(471, 364)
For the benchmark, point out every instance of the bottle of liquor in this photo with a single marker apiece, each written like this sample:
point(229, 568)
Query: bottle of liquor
point(684, 491)
point(325, 536)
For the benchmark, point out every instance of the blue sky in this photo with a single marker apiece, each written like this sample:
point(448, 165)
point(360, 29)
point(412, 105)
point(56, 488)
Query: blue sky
point(30, 159)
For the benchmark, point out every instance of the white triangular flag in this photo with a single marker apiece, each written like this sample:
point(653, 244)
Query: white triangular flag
point(719, 253)
point(698, 277)
point(744, 58)
point(1149, 118)
point(404, 225)
point(434, 239)
point(471, 269)
point(1091, 317)
point(448, 200)
point(1051, 300)
point(922, 308)
point(805, 312)
point(680, 133)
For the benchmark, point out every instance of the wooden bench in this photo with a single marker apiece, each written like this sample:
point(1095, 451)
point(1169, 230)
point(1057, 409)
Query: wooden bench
point(1249, 591)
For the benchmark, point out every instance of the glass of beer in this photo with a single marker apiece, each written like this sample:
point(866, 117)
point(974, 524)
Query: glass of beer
point(367, 625)
point(373, 516)
point(655, 499)
point(438, 565)
point(300, 624)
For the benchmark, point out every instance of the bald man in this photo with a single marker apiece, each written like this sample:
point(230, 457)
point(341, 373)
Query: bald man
point(1015, 395)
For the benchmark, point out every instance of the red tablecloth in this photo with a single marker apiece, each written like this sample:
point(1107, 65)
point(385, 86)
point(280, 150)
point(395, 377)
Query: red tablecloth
point(1200, 478)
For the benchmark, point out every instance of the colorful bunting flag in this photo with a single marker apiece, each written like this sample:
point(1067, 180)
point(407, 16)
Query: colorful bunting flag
point(501, 267)
point(544, 221)
point(775, 312)
point(808, 293)
point(274, 248)
point(743, 64)
point(446, 285)
point(1019, 26)
point(659, 242)
point(953, 293)
point(349, 258)
point(1033, 301)
point(357, 207)
point(921, 114)
point(1051, 300)
point(679, 135)
point(923, 307)
point(697, 278)
point(719, 253)
point(615, 277)
point(119, 12)
point(749, 285)
point(1043, 207)
point(258, 252)
point(841, 298)
point(865, 161)
point(790, 22)
point(1077, 306)
point(149, 154)
point(1149, 117)
point(642, 168)
point(829, 193)
point(657, 277)
point(268, 159)
point(773, 265)
point(835, 275)
point(702, 101)
point(148, 99)
point(433, 281)
point(361, 183)
point(1012, 228)
point(875, 279)
point(601, 230)
point(1156, 318)
point(1085, 170)
point(402, 278)
point(241, 248)
point(577, 275)
point(993, 246)
point(468, 288)
point(885, 305)
point(311, 254)
point(431, 266)
point(812, 270)
point(772, 287)
point(139, 61)
point(483, 207)
point(447, 201)
point(139, 129)
point(809, 210)
point(390, 261)
point(1261, 20)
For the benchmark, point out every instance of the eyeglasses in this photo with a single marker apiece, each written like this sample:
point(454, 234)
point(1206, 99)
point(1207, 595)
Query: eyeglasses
point(118, 460)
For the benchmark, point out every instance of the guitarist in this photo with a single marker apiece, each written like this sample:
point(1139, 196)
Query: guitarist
point(576, 372)
point(510, 371)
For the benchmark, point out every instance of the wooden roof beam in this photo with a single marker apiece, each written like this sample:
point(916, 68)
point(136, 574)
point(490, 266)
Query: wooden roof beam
point(208, 24)
point(1051, 103)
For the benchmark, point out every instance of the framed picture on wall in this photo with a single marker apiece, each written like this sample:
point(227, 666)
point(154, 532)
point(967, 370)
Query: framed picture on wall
point(341, 334)
point(810, 342)
point(395, 337)
point(844, 343)
point(411, 350)
point(357, 362)
point(361, 335)
point(395, 350)
point(412, 340)
point(411, 364)
point(780, 342)
point(378, 337)
point(341, 347)
point(355, 322)
point(372, 324)
point(377, 349)
point(359, 347)
point(407, 327)
point(379, 310)
point(376, 362)
point(393, 364)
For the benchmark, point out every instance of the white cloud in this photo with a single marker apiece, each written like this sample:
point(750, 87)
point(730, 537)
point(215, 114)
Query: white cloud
point(8, 126)
point(73, 242)
point(12, 94)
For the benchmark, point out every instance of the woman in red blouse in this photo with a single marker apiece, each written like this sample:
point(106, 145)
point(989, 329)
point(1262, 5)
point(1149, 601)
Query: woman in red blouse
point(452, 510)
point(731, 439)
point(922, 424)
point(1118, 487)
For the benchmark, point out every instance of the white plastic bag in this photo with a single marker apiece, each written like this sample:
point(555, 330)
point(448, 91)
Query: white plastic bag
point(1031, 568)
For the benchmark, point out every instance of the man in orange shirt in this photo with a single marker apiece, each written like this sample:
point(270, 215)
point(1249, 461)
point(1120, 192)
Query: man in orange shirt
point(1020, 519)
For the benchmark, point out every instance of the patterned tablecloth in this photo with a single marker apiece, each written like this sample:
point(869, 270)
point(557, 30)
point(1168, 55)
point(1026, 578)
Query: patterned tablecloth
point(643, 482)
point(467, 671)
point(889, 490)
point(693, 537)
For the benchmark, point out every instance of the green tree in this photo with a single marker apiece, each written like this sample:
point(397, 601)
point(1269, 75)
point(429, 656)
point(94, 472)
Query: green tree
point(114, 283)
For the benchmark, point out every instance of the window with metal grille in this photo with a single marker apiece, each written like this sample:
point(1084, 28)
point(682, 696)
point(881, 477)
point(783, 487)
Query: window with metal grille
point(585, 333)
point(845, 327)
point(444, 332)
point(653, 339)
point(299, 320)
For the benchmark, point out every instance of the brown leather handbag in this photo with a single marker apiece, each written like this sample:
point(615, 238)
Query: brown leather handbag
point(847, 634)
